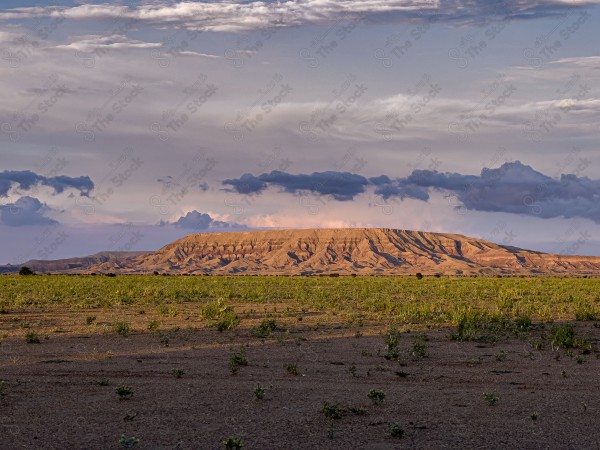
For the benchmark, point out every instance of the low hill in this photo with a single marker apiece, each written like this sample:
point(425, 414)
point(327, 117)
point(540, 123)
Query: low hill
point(72, 265)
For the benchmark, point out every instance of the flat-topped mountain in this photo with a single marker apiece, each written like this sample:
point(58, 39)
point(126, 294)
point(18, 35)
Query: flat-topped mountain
point(363, 251)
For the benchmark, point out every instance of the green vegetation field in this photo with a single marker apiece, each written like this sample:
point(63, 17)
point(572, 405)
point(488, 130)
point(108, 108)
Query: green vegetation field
point(400, 299)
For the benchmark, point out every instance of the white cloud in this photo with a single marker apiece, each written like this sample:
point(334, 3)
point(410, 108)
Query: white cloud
point(243, 16)
point(90, 43)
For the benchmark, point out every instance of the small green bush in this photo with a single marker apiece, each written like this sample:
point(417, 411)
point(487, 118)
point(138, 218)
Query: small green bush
point(259, 392)
point(563, 336)
point(178, 373)
point(121, 327)
point(392, 341)
point(233, 443)
point(32, 338)
point(128, 441)
point(265, 329)
point(291, 368)
point(376, 396)
point(237, 359)
point(396, 430)
point(491, 398)
point(124, 392)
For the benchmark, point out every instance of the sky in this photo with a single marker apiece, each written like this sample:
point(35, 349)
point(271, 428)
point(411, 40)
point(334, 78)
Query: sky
point(127, 125)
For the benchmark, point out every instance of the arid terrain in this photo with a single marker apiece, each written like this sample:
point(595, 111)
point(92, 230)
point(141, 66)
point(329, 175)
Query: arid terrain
point(359, 251)
point(494, 379)
point(54, 400)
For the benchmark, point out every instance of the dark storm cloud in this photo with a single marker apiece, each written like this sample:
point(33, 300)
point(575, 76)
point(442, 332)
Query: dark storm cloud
point(513, 187)
point(341, 186)
point(25, 211)
point(26, 179)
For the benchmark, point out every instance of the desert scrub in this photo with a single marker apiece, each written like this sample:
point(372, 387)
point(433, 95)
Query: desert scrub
point(419, 348)
point(233, 443)
point(121, 327)
point(392, 341)
point(90, 320)
point(331, 413)
point(124, 392)
point(260, 392)
point(128, 441)
point(227, 322)
point(153, 325)
point(396, 430)
point(491, 398)
point(376, 396)
point(177, 372)
point(32, 338)
point(3, 388)
point(237, 359)
point(215, 310)
point(291, 368)
point(265, 329)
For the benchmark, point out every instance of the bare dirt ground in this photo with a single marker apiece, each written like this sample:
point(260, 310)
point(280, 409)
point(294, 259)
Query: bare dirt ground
point(51, 398)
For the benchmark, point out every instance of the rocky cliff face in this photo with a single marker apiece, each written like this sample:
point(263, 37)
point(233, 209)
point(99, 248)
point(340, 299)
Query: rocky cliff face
point(363, 251)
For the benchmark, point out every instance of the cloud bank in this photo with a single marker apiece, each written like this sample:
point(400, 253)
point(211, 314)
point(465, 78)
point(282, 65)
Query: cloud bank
point(26, 179)
point(25, 211)
point(232, 16)
point(512, 188)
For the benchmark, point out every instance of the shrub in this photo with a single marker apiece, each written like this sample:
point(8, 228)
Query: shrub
point(259, 392)
point(392, 341)
point(237, 359)
point(419, 275)
point(266, 327)
point(376, 396)
point(233, 443)
point(419, 348)
point(228, 322)
point(121, 327)
point(153, 325)
point(396, 430)
point(331, 413)
point(124, 392)
point(563, 336)
point(32, 338)
point(3, 386)
point(90, 319)
point(128, 441)
point(291, 368)
point(26, 271)
point(215, 310)
point(491, 398)
point(178, 373)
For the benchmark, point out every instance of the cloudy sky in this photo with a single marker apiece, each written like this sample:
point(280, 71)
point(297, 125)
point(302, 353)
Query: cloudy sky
point(125, 125)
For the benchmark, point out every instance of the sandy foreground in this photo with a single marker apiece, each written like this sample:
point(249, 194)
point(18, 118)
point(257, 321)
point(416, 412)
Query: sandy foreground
point(52, 398)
